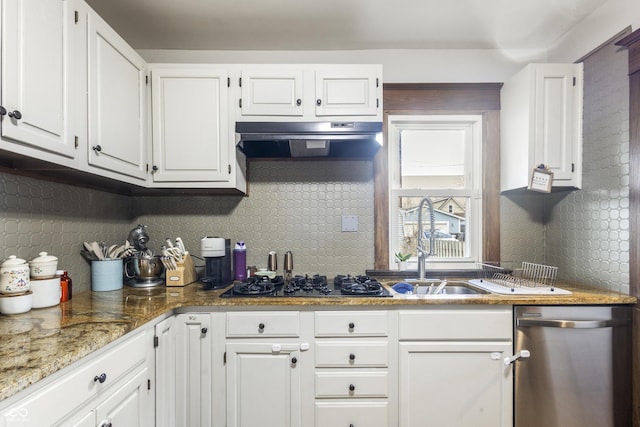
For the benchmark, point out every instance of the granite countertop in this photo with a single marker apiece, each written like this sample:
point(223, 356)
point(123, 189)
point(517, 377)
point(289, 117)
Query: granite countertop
point(43, 341)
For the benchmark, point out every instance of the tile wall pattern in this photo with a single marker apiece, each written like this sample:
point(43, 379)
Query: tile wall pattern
point(296, 206)
point(586, 232)
point(37, 216)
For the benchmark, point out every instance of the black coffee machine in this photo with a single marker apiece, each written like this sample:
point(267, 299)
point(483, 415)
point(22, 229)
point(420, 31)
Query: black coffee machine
point(217, 257)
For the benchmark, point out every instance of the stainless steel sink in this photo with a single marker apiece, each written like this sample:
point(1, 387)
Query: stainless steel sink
point(429, 288)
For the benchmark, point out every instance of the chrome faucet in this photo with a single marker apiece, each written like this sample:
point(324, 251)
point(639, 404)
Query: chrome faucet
point(422, 254)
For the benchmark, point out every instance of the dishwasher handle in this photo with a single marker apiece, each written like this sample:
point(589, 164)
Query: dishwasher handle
point(573, 324)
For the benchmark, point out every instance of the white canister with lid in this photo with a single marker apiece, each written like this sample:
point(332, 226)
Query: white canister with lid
point(14, 276)
point(44, 266)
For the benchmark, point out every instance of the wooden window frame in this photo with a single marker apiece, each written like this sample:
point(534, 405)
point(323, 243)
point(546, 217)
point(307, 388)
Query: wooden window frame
point(443, 98)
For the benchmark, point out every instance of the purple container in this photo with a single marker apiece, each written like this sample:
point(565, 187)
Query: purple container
point(240, 262)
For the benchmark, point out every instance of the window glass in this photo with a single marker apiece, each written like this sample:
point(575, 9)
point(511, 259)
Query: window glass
point(438, 157)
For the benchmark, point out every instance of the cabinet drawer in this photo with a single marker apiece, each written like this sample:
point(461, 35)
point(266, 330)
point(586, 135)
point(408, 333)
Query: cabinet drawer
point(53, 402)
point(352, 413)
point(456, 324)
point(341, 384)
point(351, 324)
point(352, 354)
point(263, 324)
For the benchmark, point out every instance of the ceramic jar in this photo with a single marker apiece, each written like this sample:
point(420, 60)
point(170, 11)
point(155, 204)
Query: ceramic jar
point(44, 266)
point(14, 276)
point(16, 304)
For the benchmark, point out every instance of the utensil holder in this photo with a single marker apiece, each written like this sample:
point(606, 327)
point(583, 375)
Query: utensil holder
point(183, 275)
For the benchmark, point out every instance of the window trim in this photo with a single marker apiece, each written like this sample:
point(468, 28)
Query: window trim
point(440, 98)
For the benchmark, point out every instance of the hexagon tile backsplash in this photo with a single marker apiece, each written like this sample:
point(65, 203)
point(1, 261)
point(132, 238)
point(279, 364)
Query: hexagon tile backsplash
point(296, 206)
point(37, 216)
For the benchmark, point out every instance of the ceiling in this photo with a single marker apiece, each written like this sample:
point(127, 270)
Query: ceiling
point(342, 24)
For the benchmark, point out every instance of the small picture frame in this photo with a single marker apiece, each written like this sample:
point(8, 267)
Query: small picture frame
point(541, 180)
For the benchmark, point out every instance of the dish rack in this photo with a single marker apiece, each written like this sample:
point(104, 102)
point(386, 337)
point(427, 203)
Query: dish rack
point(529, 275)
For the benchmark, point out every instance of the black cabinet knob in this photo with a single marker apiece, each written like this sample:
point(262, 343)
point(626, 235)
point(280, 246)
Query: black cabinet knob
point(3, 111)
point(318, 101)
point(352, 387)
point(261, 327)
point(294, 360)
point(352, 356)
point(204, 331)
point(97, 148)
point(352, 325)
point(15, 114)
point(100, 378)
point(154, 168)
point(351, 425)
point(298, 102)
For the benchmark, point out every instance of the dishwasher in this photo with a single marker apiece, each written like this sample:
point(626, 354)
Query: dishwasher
point(572, 366)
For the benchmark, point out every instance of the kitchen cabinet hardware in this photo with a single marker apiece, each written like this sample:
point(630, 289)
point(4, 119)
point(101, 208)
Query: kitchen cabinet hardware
point(298, 102)
point(351, 425)
point(522, 354)
point(352, 387)
point(318, 102)
point(107, 425)
point(15, 114)
point(96, 148)
point(204, 331)
point(3, 111)
point(100, 378)
point(261, 327)
point(352, 325)
point(294, 360)
point(352, 356)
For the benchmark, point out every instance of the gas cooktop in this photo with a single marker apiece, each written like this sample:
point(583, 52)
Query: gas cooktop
point(308, 286)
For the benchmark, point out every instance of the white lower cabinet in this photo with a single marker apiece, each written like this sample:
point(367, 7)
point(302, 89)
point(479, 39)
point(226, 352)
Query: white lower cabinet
point(113, 385)
point(353, 372)
point(264, 365)
point(263, 384)
point(184, 370)
point(451, 370)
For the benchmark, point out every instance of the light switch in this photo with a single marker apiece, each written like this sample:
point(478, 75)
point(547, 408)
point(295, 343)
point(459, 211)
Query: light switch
point(349, 223)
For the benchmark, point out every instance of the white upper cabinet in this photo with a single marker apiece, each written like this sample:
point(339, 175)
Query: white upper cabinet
point(268, 91)
point(191, 138)
point(117, 103)
point(37, 78)
point(348, 91)
point(310, 92)
point(541, 123)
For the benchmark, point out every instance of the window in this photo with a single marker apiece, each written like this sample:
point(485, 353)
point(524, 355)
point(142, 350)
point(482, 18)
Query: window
point(440, 157)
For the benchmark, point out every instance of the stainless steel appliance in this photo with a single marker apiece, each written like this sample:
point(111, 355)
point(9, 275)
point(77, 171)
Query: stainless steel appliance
point(217, 257)
point(309, 139)
point(308, 286)
point(578, 373)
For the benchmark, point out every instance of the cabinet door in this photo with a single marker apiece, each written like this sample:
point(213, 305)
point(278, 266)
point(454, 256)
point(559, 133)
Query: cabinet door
point(347, 91)
point(37, 74)
point(263, 385)
point(272, 92)
point(193, 369)
point(462, 384)
point(191, 139)
point(558, 120)
point(165, 373)
point(130, 405)
point(116, 102)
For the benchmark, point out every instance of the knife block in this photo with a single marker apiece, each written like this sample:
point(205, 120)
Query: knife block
point(183, 275)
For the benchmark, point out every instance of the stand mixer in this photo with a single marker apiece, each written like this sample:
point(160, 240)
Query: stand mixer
point(142, 269)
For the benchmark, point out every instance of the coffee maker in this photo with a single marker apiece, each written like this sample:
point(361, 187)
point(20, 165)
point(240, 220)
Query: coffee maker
point(217, 257)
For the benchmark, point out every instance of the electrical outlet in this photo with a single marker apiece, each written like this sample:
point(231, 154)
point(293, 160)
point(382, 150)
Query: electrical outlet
point(349, 223)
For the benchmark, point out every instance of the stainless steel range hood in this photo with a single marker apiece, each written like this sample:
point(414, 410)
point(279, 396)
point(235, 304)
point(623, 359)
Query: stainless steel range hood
point(309, 139)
